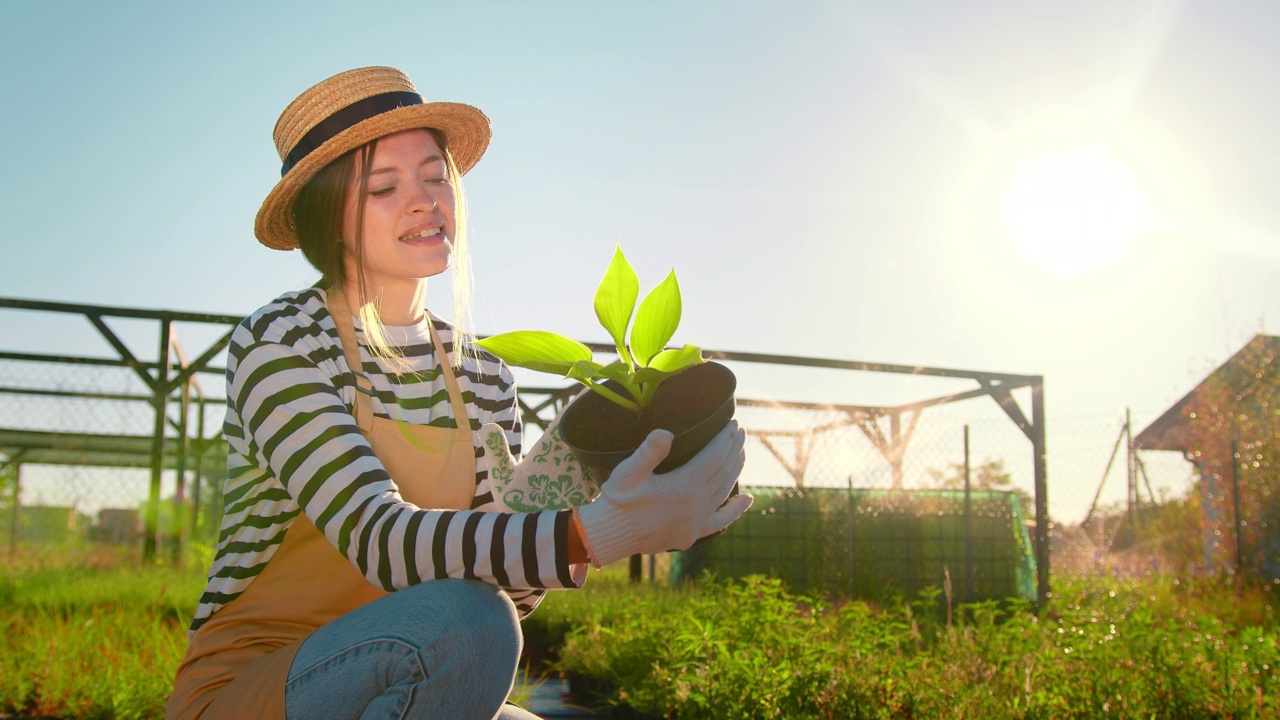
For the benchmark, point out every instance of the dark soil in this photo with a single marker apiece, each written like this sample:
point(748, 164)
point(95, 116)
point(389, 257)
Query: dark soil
point(680, 403)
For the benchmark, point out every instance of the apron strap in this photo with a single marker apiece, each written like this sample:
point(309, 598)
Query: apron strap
point(363, 409)
point(460, 416)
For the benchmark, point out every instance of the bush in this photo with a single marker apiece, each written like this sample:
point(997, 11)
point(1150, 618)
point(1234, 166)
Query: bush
point(750, 649)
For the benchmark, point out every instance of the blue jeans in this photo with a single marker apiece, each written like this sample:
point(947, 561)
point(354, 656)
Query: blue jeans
point(441, 649)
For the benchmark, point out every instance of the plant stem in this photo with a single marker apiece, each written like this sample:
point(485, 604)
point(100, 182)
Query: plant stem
point(625, 356)
point(646, 393)
point(611, 395)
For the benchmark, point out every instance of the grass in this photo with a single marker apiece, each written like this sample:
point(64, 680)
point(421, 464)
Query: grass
point(87, 635)
point(91, 635)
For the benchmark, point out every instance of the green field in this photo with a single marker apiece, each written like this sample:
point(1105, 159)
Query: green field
point(97, 636)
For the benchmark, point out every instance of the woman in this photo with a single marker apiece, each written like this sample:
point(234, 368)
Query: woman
point(367, 565)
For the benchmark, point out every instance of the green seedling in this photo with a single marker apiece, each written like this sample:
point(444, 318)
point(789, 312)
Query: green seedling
point(643, 362)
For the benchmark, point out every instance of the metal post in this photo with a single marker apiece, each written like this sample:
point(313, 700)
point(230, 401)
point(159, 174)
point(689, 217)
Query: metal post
point(198, 480)
point(160, 397)
point(968, 523)
point(1132, 475)
point(180, 470)
point(13, 518)
point(1235, 498)
point(895, 448)
point(635, 568)
point(1039, 452)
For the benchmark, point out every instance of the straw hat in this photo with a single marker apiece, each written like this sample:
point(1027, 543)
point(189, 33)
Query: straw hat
point(345, 112)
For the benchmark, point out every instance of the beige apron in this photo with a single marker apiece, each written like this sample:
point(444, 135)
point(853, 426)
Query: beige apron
point(238, 662)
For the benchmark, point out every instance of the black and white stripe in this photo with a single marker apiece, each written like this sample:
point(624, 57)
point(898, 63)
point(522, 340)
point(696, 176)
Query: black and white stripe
point(294, 447)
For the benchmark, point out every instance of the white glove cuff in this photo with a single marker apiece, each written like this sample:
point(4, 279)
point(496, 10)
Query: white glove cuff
point(605, 532)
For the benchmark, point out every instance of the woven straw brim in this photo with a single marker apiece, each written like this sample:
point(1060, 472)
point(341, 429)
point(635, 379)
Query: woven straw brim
point(465, 129)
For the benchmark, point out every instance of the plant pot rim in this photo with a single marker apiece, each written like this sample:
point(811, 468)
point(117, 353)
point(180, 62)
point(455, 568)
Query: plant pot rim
point(607, 459)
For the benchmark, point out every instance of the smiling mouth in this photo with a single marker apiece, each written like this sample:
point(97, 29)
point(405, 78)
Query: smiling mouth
point(429, 232)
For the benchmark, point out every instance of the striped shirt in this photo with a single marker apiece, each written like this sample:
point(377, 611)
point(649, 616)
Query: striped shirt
point(294, 447)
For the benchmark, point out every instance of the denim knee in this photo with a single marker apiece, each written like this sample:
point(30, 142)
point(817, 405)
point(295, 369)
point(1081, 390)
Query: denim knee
point(449, 645)
point(465, 614)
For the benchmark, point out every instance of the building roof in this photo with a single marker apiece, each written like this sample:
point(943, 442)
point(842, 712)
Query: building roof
point(1249, 371)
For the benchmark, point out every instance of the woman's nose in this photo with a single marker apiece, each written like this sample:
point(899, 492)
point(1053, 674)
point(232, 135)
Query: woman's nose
point(423, 198)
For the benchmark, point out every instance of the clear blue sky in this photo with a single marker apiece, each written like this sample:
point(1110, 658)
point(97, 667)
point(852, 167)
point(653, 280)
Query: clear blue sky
point(826, 177)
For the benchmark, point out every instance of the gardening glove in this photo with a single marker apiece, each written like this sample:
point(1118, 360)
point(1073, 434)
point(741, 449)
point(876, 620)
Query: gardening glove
point(642, 512)
point(548, 478)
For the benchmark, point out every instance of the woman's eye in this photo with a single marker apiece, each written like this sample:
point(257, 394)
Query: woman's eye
point(436, 180)
point(382, 192)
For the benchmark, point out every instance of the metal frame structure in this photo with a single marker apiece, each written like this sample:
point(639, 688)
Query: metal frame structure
point(167, 381)
point(539, 405)
point(537, 402)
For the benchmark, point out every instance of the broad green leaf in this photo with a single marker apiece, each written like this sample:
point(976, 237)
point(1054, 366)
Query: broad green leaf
point(616, 299)
point(656, 320)
point(677, 359)
point(537, 350)
point(583, 369)
point(562, 369)
point(618, 371)
point(648, 375)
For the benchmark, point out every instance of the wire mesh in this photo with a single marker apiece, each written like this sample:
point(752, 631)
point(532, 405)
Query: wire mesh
point(56, 504)
point(1111, 508)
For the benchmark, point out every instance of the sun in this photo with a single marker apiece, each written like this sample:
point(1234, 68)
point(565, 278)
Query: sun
point(1075, 211)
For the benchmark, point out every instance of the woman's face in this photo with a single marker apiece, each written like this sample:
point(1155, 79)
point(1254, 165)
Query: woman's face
point(408, 213)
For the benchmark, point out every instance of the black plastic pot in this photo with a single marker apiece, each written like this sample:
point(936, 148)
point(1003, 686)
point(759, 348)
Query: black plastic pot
point(693, 404)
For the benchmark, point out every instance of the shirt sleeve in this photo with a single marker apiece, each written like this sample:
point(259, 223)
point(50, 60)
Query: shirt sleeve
point(505, 412)
point(297, 427)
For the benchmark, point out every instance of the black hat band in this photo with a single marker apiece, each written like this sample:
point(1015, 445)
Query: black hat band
point(348, 116)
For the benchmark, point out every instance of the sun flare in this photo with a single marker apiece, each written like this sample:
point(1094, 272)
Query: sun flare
point(1075, 211)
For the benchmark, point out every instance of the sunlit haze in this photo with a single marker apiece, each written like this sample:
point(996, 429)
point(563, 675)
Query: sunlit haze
point(1074, 211)
point(1080, 189)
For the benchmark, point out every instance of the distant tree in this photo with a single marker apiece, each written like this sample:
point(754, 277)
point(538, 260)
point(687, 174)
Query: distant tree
point(1168, 531)
point(990, 475)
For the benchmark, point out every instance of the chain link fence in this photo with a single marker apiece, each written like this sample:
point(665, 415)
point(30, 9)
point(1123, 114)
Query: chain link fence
point(868, 497)
point(74, 468)
point(788, 448)
point(1104, 491)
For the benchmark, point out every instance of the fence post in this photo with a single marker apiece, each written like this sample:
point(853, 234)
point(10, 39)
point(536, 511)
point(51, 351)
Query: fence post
point(1039, 458)
point(159, 400)
point(13, 518)
point(180, 471)
point(968, 523)
point(197, 444)
point(1235, 499)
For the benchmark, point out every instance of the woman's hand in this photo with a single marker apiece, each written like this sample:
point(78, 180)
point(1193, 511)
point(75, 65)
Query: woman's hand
point(639, 511)
point(549, 477)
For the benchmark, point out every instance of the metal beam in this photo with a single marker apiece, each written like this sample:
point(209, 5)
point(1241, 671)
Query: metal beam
point(114, 311)
point(844, 364)
point(83, 360)
point(81, 395)
point(125, 353)
point(801, 361)
point(1010, 406)
point(200, 363)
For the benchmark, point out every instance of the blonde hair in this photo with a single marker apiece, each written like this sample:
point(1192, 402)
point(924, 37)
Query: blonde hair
point(319, 212)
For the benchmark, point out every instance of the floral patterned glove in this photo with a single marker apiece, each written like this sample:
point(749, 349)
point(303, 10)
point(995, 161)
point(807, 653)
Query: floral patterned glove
point(548, 478)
